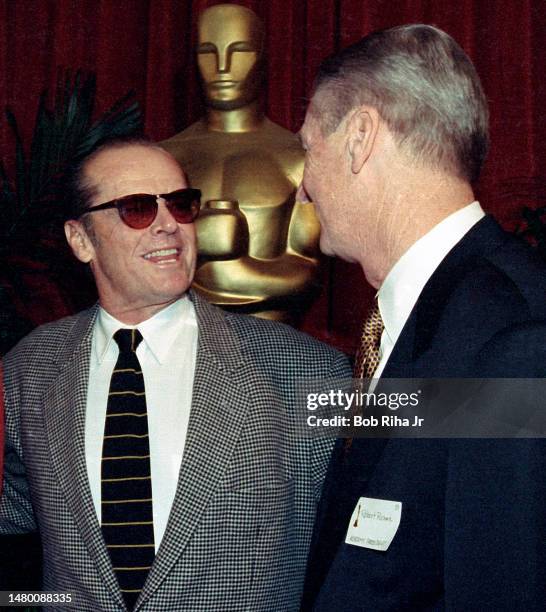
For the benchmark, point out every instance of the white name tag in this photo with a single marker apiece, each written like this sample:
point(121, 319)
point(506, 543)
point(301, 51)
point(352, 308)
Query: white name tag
point(374, 523)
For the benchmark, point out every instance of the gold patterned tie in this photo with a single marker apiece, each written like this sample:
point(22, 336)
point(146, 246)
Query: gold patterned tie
point(367, 356)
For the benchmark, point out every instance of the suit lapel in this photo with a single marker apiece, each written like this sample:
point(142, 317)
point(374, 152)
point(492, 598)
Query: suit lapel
point(219, 405)
point(64, 415)
point(420, 328)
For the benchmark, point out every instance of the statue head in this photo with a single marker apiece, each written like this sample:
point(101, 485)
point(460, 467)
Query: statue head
point(229, 55)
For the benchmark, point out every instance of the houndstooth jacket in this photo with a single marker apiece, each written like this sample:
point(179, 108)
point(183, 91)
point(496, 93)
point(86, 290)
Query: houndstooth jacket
point(240, 525)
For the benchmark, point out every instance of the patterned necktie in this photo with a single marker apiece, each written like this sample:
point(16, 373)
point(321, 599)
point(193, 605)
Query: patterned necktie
point(126, 485)
point(367, 356)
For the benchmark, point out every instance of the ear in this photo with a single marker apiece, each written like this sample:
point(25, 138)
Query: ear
point(79, 241)
point(362, 130)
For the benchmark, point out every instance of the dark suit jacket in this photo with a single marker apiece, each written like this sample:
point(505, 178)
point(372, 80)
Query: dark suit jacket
point(473, 527)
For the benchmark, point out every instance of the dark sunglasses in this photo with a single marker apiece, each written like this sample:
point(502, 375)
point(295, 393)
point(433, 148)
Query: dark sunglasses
point(140, 209)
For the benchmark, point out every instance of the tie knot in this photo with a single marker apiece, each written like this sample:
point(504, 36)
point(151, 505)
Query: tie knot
point(128, 340)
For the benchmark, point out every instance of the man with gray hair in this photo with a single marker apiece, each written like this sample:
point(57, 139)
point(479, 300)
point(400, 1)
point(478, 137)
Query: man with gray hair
point(396, 132)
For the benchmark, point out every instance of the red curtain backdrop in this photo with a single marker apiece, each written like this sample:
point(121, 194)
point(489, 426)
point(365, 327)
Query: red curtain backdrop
point(147, 45)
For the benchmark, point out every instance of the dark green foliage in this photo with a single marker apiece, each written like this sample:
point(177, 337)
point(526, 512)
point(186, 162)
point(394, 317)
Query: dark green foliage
point(31, 203)
point(61, 135)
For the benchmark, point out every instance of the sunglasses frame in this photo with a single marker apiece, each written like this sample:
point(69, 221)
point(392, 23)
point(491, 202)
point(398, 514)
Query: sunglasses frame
point(117, 203)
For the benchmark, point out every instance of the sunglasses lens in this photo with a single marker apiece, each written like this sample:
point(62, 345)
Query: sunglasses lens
point(138, 212)
point(184, 205)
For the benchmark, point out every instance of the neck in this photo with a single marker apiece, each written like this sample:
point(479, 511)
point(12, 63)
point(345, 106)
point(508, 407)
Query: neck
point(408, 216)
point(245, 119)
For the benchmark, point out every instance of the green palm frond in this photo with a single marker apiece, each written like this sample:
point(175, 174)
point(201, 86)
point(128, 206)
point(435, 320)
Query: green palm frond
point(61, 136)
point(31, 198)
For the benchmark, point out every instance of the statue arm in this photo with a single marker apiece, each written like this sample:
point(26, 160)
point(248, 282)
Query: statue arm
point(222, 231)
point(228, 274)
point(303, 231)
point(234, 277)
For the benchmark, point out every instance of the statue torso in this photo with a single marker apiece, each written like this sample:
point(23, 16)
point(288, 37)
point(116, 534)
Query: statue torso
point(260, 170)
point(267, 253)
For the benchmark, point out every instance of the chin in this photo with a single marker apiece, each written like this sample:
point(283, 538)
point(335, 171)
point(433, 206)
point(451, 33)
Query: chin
point(226, 104)
point(325, 246)
point(174, 290)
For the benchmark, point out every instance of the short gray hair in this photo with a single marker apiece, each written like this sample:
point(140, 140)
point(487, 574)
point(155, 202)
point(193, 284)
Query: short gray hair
point(424, 87)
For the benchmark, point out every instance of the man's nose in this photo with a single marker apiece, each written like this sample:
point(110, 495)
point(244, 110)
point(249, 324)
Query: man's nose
point(164, 220)
point(302, 195)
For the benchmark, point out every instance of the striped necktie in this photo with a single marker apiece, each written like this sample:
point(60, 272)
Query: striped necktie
point(126, 486)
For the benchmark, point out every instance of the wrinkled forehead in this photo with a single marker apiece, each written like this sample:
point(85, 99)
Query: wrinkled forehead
point(323, 100)
point(117, 172)
point(227, 24)
point(322, 111)
point(313, 116)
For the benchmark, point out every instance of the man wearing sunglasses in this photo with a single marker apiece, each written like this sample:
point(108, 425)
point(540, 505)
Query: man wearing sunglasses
point(146, 438)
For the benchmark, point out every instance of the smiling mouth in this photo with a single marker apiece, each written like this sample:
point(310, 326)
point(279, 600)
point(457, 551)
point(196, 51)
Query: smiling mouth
point(163, 256)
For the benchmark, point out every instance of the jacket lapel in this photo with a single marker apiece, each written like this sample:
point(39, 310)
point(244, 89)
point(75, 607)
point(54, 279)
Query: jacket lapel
point(64, 415)
point(219, 405)
point(420, 328)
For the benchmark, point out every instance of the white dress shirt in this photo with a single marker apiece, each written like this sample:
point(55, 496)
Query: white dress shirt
point(167, 355)
point(405, 281)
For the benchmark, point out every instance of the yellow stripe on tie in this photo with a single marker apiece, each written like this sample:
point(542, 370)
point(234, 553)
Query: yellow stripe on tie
point(120, 524)
point(124, 479)
point(126, 457)
point(130, 590)
point(131, 569)
point(137, 393)
point(126, 501)
point(126, 436)
point(135, 414)
point(130, 546)
point(127, 370)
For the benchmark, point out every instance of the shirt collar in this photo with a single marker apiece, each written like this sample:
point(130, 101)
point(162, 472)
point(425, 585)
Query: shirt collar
point(402, 286)
point(158, 332)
